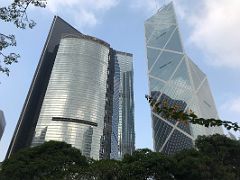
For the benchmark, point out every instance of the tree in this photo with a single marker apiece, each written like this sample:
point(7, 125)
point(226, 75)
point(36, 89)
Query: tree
point(52, 160)
point(104, 170)
point(223, 151)
point(216, 157)
point(144, 164)
point(17, 14)
point(193, 164)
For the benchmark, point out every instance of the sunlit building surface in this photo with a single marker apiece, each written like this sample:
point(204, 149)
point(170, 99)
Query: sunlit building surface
point(177, 81)
point(73, 108)
point(2, 123)
point(74, 96)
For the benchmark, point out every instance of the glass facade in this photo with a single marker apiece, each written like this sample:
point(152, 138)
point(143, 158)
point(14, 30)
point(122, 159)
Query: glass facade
point(126, 133)
point(74, 95)
point(76, 90)
point(175, 79)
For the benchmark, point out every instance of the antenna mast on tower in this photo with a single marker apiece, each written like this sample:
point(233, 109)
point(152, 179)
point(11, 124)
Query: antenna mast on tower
point(156, 4)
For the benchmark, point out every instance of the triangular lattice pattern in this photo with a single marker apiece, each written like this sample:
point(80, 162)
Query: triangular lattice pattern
point(174, 78)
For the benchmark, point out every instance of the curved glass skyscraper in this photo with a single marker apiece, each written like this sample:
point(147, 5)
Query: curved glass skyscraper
point(73, 108)
point(177, 81)
point(74, 95)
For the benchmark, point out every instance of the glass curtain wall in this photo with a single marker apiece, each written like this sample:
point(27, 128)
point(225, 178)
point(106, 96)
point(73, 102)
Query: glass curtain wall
point(174, 79)
point(126, 133)
point(73, 108)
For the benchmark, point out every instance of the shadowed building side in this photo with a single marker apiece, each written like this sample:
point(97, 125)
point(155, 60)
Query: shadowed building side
point(115, 115)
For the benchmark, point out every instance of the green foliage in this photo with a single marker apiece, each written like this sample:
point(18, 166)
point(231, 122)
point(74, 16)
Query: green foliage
point(193, 164)
point(215, 157)
point(105, 170)
point(17, 14)
point(6, 41)
point(187, 117)
point(144, 164)
point(223, 151)
point(52, 160)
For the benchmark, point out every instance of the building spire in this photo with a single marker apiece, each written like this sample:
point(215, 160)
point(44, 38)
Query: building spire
point(156, 5)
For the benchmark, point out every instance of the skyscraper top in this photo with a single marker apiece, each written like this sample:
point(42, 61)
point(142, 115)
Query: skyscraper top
point(164, 15)
point(79, 34)
point(124, 53)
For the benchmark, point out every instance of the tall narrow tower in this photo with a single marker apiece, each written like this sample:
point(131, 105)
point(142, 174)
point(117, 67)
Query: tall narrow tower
point(126, 133)
point(177, 81)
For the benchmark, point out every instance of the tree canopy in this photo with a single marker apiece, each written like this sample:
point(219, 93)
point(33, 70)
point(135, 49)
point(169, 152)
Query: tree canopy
point(215, 157)
point(52, 160)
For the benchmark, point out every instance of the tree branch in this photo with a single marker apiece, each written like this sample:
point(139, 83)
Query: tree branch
point(16, 13)
point(167, 112)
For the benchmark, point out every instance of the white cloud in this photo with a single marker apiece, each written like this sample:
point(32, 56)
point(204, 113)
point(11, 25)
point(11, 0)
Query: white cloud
point(147, 6)
point(214, 27)
point(230, 111)
point(232, 105)
point(215, 30)
point(87, 18)
point(85, 12)
point(150, 7)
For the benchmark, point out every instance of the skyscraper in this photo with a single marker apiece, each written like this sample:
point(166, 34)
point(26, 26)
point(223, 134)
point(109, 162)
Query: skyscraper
point(176, 80)
point(71, 95)
point(126, 133)
point(2, 123)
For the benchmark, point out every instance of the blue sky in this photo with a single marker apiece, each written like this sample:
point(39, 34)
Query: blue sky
point(210, 34)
